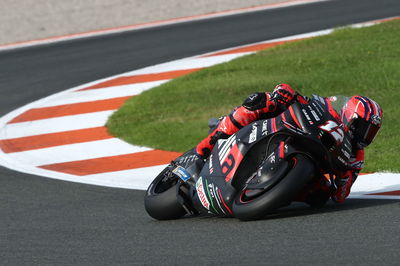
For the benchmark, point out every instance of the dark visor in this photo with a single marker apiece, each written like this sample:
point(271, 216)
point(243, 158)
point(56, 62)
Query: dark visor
point(365, 132)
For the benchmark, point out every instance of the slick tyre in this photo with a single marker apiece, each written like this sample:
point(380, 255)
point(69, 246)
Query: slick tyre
point(161, 200)
point(281, 194)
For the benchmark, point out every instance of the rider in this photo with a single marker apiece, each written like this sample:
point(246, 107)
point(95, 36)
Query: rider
point(361, 118)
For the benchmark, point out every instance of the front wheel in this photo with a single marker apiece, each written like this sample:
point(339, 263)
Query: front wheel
point(253, 208)
point(161, 199)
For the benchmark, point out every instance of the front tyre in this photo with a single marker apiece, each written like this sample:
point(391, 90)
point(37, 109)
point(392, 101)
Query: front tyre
point(161, 199)
point(279, 195)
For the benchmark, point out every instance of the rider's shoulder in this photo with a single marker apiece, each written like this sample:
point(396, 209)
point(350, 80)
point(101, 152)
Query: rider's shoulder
point(255, 101)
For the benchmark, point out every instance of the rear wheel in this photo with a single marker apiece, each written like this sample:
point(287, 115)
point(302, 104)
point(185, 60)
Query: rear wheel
point(161, 200)
point(255, 204)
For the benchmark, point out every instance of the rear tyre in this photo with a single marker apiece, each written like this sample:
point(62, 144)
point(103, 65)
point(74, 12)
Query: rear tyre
point(161, 199)
point(253, 208)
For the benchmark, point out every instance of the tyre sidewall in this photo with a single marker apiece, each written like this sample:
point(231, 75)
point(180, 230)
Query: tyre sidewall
point(164, 205)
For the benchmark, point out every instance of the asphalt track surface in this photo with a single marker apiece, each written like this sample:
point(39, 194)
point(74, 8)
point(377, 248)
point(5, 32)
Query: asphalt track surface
point(45, 221)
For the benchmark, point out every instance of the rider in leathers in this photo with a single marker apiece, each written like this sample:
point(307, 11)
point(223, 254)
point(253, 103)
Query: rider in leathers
point(266, 105)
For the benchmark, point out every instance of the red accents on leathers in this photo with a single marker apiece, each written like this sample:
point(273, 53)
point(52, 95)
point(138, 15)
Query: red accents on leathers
point(230, 124)
point(225, 126)
point(344, 181)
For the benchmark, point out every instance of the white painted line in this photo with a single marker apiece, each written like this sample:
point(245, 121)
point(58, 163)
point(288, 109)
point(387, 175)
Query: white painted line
point(183, 64)
point(155, 24)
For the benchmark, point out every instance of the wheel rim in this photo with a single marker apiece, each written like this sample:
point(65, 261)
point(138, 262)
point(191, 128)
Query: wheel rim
point(248, 195)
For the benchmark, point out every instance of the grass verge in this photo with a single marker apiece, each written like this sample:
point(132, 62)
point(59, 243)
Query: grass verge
point(362, 61)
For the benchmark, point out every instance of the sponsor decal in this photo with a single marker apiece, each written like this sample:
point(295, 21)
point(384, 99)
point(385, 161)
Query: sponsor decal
point(347, 144)
point(211, 164)
point(182, 173)
point(253, 134)
point(318, 108)
point(307, 116)
point(343, 161)
point(265, 128)
point(376, 120)
point(212, 193)
point(316, 117)
point(201, 193)
point(346, 153)
point(272, 158)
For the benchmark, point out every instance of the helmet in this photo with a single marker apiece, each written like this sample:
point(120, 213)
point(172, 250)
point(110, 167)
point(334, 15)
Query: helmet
point(283, 94)
point(363, 118)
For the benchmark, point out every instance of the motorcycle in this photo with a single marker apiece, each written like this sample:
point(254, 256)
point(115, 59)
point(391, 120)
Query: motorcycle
point(257, 170)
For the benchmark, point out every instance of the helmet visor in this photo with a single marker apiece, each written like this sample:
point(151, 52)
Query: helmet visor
point(365, 132)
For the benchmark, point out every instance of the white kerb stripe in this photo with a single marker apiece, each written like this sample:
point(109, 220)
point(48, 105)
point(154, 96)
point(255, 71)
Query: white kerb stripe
point(53, 125)
point(76, 152)
point(102, 93)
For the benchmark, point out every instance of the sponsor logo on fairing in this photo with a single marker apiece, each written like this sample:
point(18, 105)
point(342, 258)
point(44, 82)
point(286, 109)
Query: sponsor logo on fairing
point(307, 116)
point(201, 193)
point(212, 190)
point(253, 134)
point(271, 158)
point(346, 153)
point(316, 117)
point(265, 128)
point(211, 164)
point(318, 108)
point(182, 173)
point(343, 161)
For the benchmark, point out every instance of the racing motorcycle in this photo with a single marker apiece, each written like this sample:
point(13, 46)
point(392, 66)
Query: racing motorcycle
point(257, 170)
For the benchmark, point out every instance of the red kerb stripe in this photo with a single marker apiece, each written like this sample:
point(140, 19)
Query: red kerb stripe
point(53, 139)
point(388, 193)
point(140, 78)
point(113, 163)
point(70, 109)
point(252, 48)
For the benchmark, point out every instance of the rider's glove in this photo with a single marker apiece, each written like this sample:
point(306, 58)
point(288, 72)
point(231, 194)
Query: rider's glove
point(283, 94)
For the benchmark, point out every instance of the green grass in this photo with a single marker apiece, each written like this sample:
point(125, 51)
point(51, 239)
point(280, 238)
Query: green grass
point(362, 61)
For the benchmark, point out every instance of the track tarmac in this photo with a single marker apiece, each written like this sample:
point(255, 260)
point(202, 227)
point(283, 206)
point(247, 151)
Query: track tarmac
point(46, 221)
